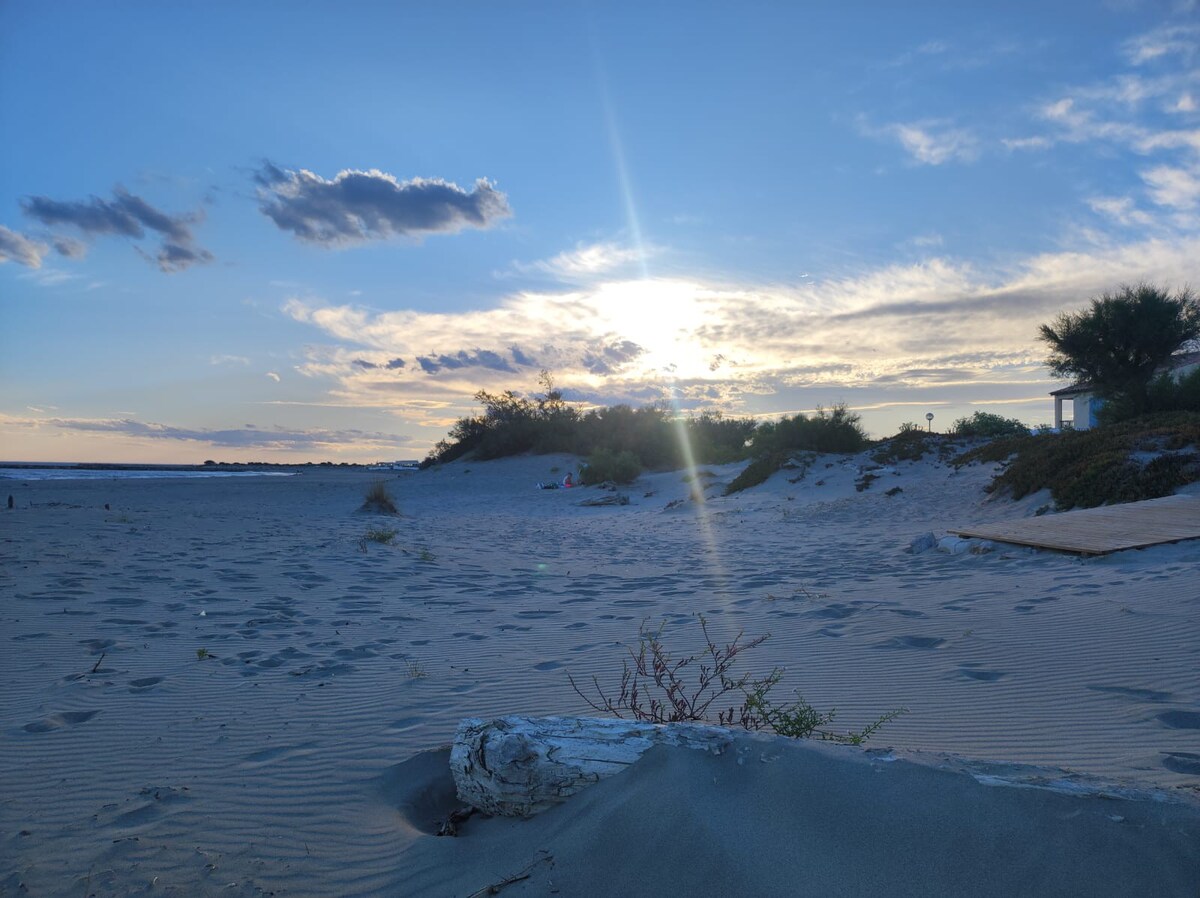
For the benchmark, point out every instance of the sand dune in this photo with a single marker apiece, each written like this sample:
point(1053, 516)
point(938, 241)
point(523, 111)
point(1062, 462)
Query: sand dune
point(279, 762)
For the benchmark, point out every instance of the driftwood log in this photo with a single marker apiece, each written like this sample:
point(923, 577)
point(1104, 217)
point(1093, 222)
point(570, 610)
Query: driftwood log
point(519, 766)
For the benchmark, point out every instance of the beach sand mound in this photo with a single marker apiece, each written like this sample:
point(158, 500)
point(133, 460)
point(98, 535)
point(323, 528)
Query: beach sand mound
point(771, 816)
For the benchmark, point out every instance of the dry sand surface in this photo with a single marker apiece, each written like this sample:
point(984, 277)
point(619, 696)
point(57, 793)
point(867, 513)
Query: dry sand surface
point(294, 759)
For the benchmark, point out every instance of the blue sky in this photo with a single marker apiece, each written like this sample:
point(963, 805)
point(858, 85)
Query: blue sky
point(312, 231)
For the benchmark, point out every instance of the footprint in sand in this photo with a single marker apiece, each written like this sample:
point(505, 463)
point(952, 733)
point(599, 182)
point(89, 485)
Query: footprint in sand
point(910, 642)
point(144, 683)
point(1182, 762)
point(971, 672)
point(1139, 695)
point(58, 721)
point(1181, 720)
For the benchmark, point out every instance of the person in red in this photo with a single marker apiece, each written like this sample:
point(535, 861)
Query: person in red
point(567, 481)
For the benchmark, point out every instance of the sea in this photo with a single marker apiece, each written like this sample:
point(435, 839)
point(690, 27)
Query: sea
point(13, 471)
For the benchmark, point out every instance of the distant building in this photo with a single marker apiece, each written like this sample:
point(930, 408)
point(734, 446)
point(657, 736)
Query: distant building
point(1085, 403)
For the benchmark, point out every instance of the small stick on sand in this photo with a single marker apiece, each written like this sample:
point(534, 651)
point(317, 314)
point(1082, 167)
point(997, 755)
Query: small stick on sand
point(98, 663)
point(494, 888)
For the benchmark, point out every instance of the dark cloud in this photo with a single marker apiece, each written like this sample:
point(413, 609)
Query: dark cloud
point(363, 363)
point(69, 247)
point(394, 364)
point(521, 358)
point(125, 215)
point(248, 437)
point(1005, 302)
point(607, 359)
point(480, 358)
point(18, 248)
point(927, 376)
point(177, 257)
point(357, 206)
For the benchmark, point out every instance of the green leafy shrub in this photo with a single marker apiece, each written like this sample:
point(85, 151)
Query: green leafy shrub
point(910, 444)
point(984, 424)
point(774, 442)
point(755, 473)
point(1144, 458)
point(605, 465)
point(512, 424)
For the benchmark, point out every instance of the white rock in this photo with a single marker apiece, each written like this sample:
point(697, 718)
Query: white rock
point(519, 766)
point(922, 543)
point(953, 545)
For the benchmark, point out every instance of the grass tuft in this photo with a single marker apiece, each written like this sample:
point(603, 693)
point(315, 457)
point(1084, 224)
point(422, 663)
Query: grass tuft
point(378, 500)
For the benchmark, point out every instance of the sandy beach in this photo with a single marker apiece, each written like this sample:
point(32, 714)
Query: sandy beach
point(221, 686)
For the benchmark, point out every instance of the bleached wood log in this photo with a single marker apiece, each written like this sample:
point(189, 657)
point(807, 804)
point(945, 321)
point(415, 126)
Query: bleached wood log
point(519, 766)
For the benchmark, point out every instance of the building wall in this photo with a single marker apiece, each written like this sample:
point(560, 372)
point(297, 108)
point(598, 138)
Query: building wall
point(1085, 406)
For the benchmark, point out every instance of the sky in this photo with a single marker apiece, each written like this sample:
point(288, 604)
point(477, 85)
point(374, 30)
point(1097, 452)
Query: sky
point(270, 231)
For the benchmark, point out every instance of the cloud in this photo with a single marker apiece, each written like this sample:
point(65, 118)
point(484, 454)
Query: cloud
point(1120, 209)
point(18, 248)
point(249, 437)
point(479, 358)
point(358, 206)
point(587, 261)
point(228, 360)
point(125, 215)
point(743, 348)
point(275, 377)
point(932, 143)
point(1175, 187)
point(1182, 40)
point(609, 359)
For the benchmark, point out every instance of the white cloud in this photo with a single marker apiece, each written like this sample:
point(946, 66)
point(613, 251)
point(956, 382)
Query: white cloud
point(1120, 209)
point(932, 143)
point(1175, 187)
point(273, 376)
point(18, 248)
point(741, 347)
point(1185, 103)
point(1183, 40)
point(587, 261)
point(228, 360)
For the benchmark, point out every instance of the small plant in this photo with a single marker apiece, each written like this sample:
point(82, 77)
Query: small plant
point(426, 555)
point(415, 669)
point(381, 535)
point(203, 654)
point(604, 465)
point(655, 688)
point(378, 500)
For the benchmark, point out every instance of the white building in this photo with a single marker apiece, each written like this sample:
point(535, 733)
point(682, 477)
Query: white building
point(1085, 403)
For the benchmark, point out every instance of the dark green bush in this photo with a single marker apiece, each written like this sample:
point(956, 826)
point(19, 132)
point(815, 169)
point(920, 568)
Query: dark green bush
point(830, 430)
point(910, 444)
point(606, 465)
point(755, 473)
point(834, 430)
point(1086, 468)
point(983, 424)
point(511, 424)
point(1164, 394)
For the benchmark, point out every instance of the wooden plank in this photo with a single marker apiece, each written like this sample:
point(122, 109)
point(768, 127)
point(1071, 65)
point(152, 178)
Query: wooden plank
point(1098, 531)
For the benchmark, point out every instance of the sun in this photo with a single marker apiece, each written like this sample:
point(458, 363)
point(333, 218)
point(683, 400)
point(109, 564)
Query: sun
point(660, 315)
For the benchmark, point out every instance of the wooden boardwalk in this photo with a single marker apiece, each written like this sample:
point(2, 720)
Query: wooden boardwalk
point(1098, 531)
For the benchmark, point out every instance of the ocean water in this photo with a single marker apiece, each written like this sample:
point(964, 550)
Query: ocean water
point(73, 473)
